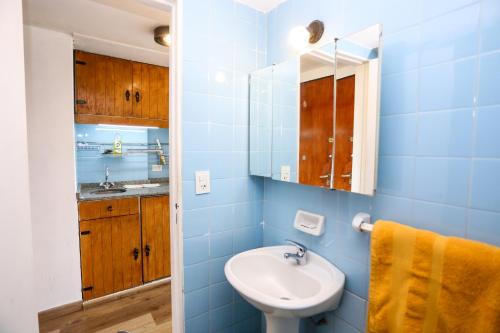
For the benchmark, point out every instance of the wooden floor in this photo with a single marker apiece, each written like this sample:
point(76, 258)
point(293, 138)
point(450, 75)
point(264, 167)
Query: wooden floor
point(145, 311)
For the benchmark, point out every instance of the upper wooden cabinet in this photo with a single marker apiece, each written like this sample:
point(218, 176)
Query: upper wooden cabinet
point(116, 91)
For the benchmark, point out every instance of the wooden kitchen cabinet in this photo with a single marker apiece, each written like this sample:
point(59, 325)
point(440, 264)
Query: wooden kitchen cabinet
point(155, 237)
point(117, 91)
point(150, 96)
point(110, 255)
point(124, 243)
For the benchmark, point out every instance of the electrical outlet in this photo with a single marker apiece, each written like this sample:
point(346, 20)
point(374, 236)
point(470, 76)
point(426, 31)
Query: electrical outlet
point(285, 173)
point(202, 180)
point(156, 167)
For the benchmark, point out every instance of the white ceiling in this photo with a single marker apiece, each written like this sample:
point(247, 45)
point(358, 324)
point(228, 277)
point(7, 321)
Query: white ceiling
point(119, 28)
point(262, 5)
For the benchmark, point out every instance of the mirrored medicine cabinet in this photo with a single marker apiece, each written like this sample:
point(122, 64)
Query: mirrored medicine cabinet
point(314, 118)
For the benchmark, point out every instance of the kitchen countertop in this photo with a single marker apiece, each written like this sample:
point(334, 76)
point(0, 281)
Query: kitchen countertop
point(85, 190)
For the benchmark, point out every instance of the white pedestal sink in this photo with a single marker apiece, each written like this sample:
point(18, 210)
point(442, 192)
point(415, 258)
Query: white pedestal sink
point(283, 290)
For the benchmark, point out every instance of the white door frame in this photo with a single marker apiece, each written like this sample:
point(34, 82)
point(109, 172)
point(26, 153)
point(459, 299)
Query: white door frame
point(175, 160)
point(175, 169)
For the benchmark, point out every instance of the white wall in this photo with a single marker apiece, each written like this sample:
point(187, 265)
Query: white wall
point(49, 90)
point(17, 305)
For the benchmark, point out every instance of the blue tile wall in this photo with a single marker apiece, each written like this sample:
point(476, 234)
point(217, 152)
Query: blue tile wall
point(223, 42)
point(90, 164)
point(439, 162)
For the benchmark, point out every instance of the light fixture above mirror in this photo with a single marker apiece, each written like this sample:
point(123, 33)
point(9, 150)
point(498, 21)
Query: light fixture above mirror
point(300, 36)
point(162, 35)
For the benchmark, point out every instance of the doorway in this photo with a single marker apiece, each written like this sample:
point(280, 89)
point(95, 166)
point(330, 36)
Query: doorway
point(113, 30)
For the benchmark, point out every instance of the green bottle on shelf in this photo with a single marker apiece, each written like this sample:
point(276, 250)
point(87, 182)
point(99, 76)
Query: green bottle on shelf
point(117, 146)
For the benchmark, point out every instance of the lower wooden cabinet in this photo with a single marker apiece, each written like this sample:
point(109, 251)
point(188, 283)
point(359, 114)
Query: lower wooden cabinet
point(122, 252)
point(111, 255)
point(155, 237)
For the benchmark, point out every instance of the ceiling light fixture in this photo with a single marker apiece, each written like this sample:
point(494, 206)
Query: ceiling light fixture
point(302, 36)
point(162, 35)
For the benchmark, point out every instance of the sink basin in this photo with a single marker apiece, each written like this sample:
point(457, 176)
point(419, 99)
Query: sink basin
point(110, 190)
point(283, 290)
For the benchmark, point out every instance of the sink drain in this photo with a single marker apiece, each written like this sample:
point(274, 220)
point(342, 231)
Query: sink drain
point(285, 298)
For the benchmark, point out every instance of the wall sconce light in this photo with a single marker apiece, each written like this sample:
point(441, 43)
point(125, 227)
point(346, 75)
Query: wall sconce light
point(162, 35)
point(302, 36)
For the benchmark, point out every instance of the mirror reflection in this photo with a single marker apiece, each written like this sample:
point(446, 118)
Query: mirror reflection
point(357, 68)
point(317, 69)
point(314, 118)
point(260, 122)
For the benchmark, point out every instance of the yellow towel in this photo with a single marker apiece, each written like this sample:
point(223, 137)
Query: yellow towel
point(424, 282)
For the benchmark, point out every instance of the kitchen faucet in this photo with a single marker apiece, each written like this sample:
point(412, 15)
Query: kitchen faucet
point(106, 184)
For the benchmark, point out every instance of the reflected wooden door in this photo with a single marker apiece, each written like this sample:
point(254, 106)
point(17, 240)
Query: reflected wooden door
point(316, 131)
point(344, 126)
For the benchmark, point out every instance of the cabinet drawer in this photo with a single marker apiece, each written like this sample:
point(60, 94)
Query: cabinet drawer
point(89, 210)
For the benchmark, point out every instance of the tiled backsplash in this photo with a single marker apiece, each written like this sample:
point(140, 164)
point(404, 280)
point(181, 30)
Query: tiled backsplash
point(92, 140)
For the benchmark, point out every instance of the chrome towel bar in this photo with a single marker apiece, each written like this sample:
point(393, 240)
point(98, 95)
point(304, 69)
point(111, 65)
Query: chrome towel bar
point(362, 222)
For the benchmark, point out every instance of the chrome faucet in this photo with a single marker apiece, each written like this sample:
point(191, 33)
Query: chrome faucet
point(106, 184)
point(300, 256)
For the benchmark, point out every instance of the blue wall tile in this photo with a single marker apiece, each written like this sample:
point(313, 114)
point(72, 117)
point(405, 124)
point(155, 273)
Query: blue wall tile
point(220, 294)
point(196, 277)
point(352, 309)
point(450, 36)
point(487, 133)
point(448, 85)
point(196, 303)
point(399, 93)
point(396, 175)
point(485, 192)
point(448, 220)
point(430, 8)
point(401, 51)
point(484, 226)
point(489, 79)
point(398, 14)
point(221, 318)
point(398, 135)
point(195, 250)
point(198, 324)
point(442, 180)
point(490, 25)
point(445, 133)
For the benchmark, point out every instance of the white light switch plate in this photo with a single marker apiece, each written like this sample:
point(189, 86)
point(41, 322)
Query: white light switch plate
point(202, 180)
point(285, 173)
point(156, 167)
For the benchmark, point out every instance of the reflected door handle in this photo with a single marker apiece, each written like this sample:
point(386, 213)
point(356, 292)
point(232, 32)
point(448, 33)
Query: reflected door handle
point(346, 175)
point(325, 176)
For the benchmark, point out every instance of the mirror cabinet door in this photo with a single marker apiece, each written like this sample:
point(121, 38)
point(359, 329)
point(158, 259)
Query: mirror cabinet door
point(357, 86)
point(316, 116)
point(260, 122)
point(285, 120)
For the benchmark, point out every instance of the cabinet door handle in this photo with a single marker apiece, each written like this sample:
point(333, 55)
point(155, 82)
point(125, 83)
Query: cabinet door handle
point(136, 253)
point(147, 249)
point(127, 95)
point(137, 96)
point(110, 208)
